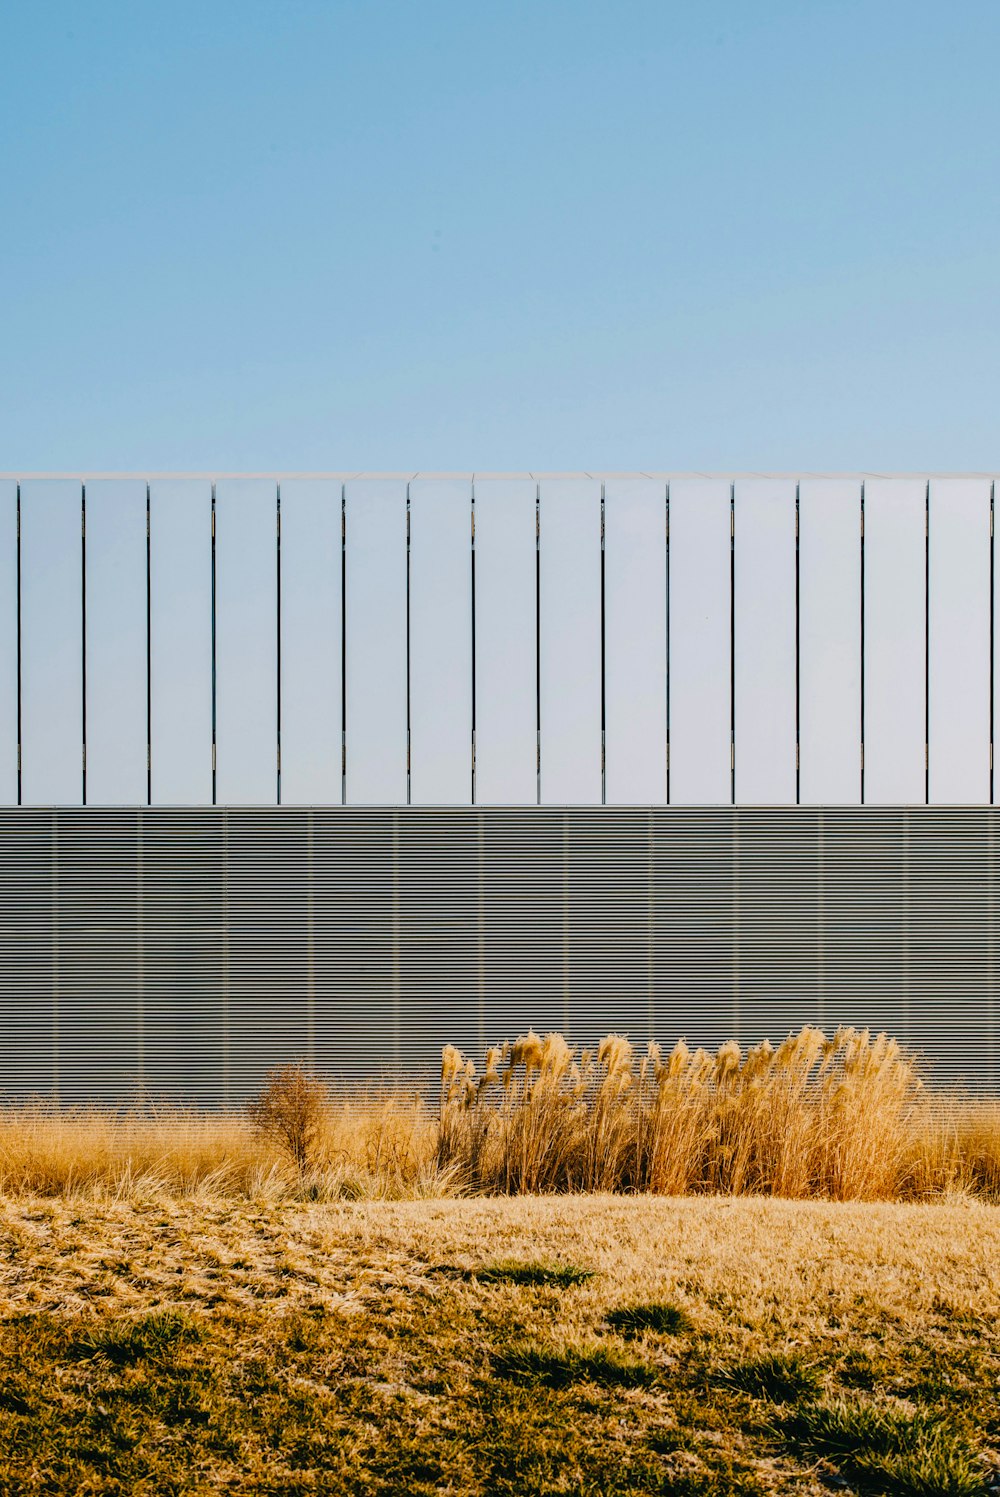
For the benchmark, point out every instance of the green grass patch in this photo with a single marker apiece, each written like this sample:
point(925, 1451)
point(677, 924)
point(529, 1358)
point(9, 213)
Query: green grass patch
point(128, 1340)
point(784, 1377)
point(531, 1275)
point(562, 1368)
point(889, 1449)
point(664, 1319)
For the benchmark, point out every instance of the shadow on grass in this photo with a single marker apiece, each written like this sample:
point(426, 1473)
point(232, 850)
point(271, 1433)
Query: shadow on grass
point(783, 1377)
point(527, 1275)
point(126, 1341)
point(562, 1368)
point(666, 1320)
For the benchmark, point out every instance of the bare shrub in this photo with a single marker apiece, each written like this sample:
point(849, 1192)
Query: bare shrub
point(290, 1111)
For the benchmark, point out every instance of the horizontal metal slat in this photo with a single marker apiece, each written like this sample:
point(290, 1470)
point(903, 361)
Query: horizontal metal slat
point(183, 952)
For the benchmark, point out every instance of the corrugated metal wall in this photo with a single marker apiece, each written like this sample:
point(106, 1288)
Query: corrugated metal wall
point(180, 953)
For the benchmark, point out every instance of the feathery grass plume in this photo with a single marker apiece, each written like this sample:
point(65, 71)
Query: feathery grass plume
point(539, 1119)
point(836, 1117)
point(772, 1118)
point(869, 1104)
point(457, 1145)
point(976, 1149)
point(610, 1155)
point(676, 1124)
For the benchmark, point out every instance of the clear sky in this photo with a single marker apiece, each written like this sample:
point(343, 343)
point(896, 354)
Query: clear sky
point(565, 234)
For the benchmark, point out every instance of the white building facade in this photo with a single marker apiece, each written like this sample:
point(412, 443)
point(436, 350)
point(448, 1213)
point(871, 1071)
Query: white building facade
point(342, 767)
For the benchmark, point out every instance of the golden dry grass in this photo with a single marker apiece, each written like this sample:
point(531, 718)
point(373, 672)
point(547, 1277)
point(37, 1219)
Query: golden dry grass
point(574, 1277)
point(382, 1148)
point(840, 1118)
point(844, 1118)
point(374, 1347)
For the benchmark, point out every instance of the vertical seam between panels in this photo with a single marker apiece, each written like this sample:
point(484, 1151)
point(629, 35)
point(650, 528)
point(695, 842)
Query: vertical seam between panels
point(472, 610)
point(83, 642)
point(862, 682)
point(214, 664)
point(343, 644)
point(732, 643)
point(736, 884)
point(820, 917)
point(538, 644)
point(408, 719)
point(226, 973)
point(277, 640)
point(481, 926)
point(650, 925)
point(397, 909)
point(310, 942)
point(19, 651)
point(927, 644)
point(565, 925)
point(666, 611)
point(604, 698)
point(798, 660)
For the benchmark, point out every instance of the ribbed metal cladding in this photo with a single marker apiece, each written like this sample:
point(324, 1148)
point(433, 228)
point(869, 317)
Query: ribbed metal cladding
point(180, 953)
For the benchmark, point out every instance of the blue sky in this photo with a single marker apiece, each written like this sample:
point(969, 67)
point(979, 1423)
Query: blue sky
point(558, 235)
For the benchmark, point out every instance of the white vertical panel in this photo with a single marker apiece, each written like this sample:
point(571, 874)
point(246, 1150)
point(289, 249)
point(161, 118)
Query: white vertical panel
point(895, 639)
point(116, 643)
point(181, 642)
point(995, 570)
point(570, 639)
point(765, 641)
point(506, 737)
point(440, 641)
point(959, 640)
point(376, 641)
point(310, 642)
point(830, 641)
point(700, 663)
point(8, 642)
point(51, 643)
point(636, 640)
point(246, 658)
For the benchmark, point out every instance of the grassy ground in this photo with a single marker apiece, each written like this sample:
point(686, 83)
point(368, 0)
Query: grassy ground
point(561, 1345)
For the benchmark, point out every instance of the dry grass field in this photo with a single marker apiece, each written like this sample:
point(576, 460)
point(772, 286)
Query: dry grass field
point(767, 1273)
point(567, 1344)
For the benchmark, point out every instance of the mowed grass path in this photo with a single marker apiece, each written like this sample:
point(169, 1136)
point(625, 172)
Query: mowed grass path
point(479, 1346)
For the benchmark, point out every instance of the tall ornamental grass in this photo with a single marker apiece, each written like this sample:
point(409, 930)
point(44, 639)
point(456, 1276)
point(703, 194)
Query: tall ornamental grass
point(844, 1118)
point(841, 1118)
